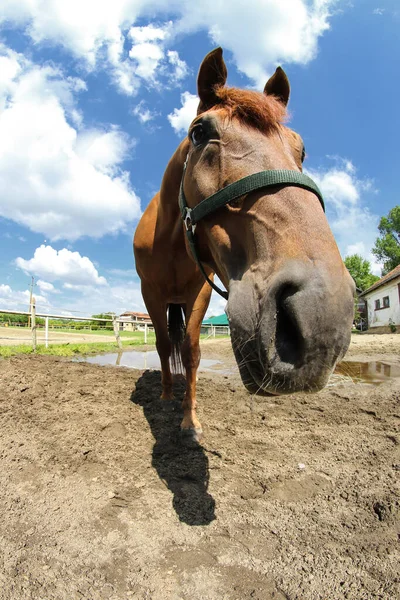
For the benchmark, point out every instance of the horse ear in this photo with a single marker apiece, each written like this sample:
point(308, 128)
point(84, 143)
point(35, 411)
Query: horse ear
point(278, 86)
point(212, 74)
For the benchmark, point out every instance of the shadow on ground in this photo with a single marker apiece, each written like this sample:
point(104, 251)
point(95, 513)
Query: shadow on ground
point(183, 469)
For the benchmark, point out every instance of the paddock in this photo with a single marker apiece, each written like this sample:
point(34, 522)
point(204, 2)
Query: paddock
point(287, 498)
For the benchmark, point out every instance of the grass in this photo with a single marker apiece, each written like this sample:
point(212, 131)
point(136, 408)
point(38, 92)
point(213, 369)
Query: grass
point(71, 349)
point(126, 334)
point(66, 349)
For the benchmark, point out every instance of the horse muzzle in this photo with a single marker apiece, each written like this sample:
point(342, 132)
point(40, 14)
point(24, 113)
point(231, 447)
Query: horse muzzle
point(289, 337)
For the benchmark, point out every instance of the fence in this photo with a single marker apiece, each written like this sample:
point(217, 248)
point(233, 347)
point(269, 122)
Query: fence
point(209, 331)
point(146, 327)
point(215, 330)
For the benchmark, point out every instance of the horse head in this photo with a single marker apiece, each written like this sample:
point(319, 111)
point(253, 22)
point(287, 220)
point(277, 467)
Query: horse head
point(290, 305)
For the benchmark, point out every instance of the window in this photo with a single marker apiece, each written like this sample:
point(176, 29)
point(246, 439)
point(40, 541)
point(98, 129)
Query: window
point(377, 304)
point(386, 302)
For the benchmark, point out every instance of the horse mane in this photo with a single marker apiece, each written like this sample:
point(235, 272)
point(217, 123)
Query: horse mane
point(255, 109)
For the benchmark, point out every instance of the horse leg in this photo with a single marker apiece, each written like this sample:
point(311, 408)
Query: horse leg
point(195, 311)
point(158, 314)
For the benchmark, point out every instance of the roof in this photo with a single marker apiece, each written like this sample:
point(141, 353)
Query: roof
point(138, 315)
point(385, 279)
point(220, 320)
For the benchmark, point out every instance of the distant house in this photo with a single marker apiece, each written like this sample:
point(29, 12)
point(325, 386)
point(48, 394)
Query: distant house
point(130, 321)
point(215, 325)
point(220, 320)
point(383, 300)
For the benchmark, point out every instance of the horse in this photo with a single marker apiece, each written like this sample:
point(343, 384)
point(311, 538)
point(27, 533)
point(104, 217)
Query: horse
point(234, 202)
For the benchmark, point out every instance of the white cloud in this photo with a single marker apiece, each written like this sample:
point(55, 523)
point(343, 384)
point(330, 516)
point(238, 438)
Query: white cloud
point(180, 67)
point(150, 58)
point(105, 150)
point(261, 33)
point(378, 11)
point(143, 113)
point(181, 118)
point(354, 226)
point(217, 303)
point(55, 179)
point(90, 300)
point(149, 33)
point(361, 249)
point(96, 31)
point(147, 56)
point(45, 286)
point(70, 268)
point(15, 300)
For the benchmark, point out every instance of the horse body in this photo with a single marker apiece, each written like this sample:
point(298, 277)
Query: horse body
point(290, 303)
point(171, 280)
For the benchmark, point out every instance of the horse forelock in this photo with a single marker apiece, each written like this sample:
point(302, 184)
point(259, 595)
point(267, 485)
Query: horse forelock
point(258, 110)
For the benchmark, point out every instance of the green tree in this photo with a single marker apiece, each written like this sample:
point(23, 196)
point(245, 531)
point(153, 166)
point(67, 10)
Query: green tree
point(105, 324)
point(387, 245)
point(360, 270)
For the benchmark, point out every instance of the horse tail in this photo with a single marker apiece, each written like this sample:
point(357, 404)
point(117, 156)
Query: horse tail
point(176, 332)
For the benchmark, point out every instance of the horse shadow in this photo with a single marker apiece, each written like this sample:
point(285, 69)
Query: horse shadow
point(183, 469)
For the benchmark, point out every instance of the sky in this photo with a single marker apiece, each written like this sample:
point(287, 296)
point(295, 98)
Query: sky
point(96, 95)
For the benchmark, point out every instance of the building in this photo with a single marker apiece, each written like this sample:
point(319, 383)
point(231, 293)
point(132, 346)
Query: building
point(383, 300)
point(131, 321)
point(215, 326)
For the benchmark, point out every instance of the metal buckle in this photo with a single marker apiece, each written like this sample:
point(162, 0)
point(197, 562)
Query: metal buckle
point(188, 221)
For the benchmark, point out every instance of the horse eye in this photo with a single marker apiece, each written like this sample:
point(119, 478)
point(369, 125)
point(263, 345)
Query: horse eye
point(198, 135)
point(303, 154)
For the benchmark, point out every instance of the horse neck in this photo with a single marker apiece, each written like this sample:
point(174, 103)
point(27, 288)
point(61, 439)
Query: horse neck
point(169, 192)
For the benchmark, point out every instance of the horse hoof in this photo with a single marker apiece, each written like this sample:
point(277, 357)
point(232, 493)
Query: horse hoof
point(191, 437)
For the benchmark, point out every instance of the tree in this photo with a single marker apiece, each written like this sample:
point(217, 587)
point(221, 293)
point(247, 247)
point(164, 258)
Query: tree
point(360, 270)
point(104, 324)
point(387, 246)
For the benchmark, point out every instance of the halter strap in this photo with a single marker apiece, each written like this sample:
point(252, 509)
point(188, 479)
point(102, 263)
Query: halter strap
point(263, 179)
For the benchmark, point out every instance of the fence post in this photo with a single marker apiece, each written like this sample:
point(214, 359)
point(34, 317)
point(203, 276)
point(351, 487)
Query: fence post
point(46, 332)
point(33, 323)
point(145, 333)
point(116, 332)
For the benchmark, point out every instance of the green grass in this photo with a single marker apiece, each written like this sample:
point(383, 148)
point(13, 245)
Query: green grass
point(125, 334)
point(135, 338)
point(71, 349)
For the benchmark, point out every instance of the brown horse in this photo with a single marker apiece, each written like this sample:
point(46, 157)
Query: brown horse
point(290, 305)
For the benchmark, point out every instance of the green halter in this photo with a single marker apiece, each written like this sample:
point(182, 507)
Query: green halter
point(263, 179)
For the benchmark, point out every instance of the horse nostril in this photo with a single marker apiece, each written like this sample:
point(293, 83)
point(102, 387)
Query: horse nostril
point(289, 342)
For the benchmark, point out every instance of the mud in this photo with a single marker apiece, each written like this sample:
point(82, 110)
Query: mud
point(290, 498)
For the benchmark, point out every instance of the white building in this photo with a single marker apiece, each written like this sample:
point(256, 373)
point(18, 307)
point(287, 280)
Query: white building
point(132, 321)
point(383, 300)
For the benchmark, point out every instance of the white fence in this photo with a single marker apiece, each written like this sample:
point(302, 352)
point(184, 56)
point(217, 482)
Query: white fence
point(210, 331)
point(215, 330)
point(33, 324)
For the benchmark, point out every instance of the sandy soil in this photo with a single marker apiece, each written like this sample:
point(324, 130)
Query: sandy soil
point(365, 346)
point(293, 498)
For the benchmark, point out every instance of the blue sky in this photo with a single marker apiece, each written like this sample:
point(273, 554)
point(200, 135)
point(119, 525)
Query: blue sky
point(95, 96)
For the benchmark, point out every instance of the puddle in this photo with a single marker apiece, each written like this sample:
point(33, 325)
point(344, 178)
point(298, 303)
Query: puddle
point(147, 360)
point(359, 372)
point(374, 372)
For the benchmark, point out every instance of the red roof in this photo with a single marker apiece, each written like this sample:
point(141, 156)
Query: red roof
point(385, 279)
point(138, 315)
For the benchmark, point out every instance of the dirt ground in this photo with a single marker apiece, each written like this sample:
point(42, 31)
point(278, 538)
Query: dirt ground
point(288, 498)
